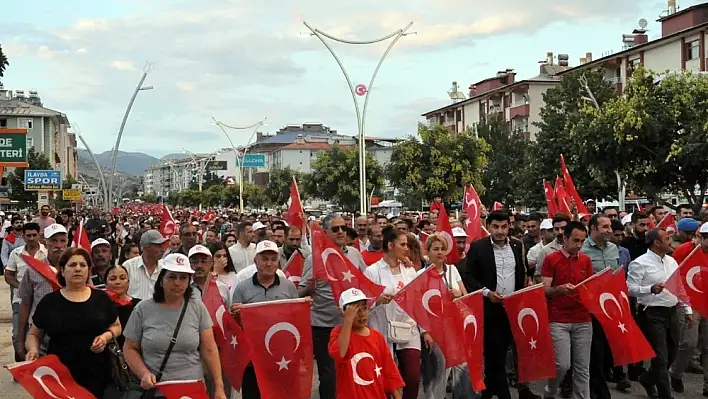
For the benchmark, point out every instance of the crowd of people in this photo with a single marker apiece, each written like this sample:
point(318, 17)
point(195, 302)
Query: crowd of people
point(141, 290)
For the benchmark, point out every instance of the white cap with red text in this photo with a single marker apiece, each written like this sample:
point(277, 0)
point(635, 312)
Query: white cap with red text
point(350, 296)
point(177, 263)
point(199, 249)
point(53, 229)
point(266, 246)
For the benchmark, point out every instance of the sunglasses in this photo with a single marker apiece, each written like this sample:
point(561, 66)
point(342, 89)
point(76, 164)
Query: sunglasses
point(336, 229)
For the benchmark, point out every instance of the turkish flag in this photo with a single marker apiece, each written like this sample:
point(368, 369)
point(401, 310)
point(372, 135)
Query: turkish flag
point(667, 221)
point(443, 228)
point(687, 282)
point(562, 198)
point(168, 226)
point(81, 239)
point(570, 188)
point(190, 389)
point(47, 378)
point(234, 348)
point(296, 213)
point(471, 206)
point(42, 268)
point(293, 269)
point(427, 300)
point(550, 199)
point(331, 266)
point(605, 296)
point(497, 206)
point(472, 308)
point(528, 317)
point(281, 342)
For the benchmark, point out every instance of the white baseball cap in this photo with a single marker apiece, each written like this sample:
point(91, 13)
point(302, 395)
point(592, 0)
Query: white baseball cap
point(350, 296)
point(99, 241)
point(547, 224)
point(266, 246)
point(258, 226)
point(53, 229)
point(704, 229)
point(199, 249)
point(177, 263)
point(458, 232)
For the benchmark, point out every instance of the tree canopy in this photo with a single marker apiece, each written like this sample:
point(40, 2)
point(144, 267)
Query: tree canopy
point(279, 180)
point(4, 63)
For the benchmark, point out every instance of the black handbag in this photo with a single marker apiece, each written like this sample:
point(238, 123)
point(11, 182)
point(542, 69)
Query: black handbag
point(119, 367)
point(150, 393)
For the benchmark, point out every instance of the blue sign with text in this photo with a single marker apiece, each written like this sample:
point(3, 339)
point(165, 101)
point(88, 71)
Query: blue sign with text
point(253, 161)
point(42, 180)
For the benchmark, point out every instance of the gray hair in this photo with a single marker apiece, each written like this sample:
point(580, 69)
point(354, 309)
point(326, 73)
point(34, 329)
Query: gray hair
point(328, 220)
point(651, 236)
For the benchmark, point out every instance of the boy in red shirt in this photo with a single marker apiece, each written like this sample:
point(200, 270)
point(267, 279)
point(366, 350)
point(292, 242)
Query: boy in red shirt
point(365, 367)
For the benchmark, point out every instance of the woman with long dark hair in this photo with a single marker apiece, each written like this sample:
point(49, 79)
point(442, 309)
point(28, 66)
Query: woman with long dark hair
point(224, 269)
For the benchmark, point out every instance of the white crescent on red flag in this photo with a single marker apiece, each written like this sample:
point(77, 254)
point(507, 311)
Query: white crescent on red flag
point(48, 378)
point(168, 225)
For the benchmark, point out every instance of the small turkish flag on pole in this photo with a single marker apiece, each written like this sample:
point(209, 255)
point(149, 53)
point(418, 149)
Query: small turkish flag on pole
point(605, 296)
point(168, 226)
point(667, 221)
point(528, 317)
point(190, 389)
point(47, 378)
point(293, 269)
point(687, 282)
point(42, 268)
point(497, 206)
point(572, 192)
point(296, 213)
point(281, 338)
point(472, 308)
point(81, 239)
point(427, 300)
point(234, 348)
point(550, 194)
point(562, 198)
point(331, 266)
point(471, 206)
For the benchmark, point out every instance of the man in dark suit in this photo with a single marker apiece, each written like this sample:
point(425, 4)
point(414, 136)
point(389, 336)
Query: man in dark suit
point(496, 266)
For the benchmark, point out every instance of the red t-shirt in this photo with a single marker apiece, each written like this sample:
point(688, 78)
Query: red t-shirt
point(367, 371)
point(565, 269)
point(682, 251)
point(371, 257)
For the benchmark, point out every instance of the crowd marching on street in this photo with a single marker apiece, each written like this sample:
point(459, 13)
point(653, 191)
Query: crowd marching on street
point(147, 301)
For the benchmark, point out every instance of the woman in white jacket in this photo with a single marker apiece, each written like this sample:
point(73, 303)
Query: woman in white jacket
point(394, 271)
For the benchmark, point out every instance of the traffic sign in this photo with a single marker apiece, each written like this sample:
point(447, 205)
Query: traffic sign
point(71, 195)
point(253, 161)
point(216, 165)
point(13, 148)
point(42, 180)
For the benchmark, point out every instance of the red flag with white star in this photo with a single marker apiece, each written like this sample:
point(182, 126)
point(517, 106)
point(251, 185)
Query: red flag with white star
point(472, 308)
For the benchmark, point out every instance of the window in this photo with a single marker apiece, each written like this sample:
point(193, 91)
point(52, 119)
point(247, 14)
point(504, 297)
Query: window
point(25, 123)
point(459, 115)
point(30, 142)
point(692, 50)
point(3, 122)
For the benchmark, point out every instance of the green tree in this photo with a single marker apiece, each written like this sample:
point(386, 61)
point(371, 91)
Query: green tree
point(560, 115)
point(213, 196)
point(335, 177)
point(279, 180)
point(16, 180)
point(189, 198)
point(254, 196)
point(440, 162)
point(4, 63)
point(505, 160)
point(149, 198)
point(208, 180)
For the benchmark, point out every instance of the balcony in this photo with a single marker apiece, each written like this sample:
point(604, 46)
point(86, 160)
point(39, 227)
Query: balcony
point(519, 109)
point(494, 109)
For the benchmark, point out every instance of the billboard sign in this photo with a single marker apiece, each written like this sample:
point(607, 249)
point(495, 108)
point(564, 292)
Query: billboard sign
point(13, 148)
point(213, 166)
point(71, 195)
point(42, 180)
point(253, 161)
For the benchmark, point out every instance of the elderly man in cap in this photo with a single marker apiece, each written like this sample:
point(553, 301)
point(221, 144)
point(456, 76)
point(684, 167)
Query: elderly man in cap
point(101, 257)
point(143, 270)
point(202, 262)
point(34, 285)
point(460, 236)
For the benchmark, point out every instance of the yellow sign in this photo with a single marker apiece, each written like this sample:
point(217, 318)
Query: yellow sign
point(71, 195)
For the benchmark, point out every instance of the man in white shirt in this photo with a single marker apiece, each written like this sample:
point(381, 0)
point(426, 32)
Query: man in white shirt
point(243, 252)
point(656, 311)
point(143, 270)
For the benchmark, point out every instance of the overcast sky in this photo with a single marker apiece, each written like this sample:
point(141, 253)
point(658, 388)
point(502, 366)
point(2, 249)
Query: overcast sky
point(242, 60)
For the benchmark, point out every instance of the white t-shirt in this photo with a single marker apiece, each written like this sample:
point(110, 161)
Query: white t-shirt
point(17, 265)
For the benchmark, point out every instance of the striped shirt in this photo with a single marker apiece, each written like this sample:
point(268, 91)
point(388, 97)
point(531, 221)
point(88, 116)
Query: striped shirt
point(142, 285)
point(16, 264)
point(33, 288)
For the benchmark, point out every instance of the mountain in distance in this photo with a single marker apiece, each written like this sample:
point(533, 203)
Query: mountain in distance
point(131, 163)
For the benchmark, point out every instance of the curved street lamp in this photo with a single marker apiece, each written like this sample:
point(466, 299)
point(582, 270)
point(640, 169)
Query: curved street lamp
point(365, 91)
point(255, 128)
point(201, 165)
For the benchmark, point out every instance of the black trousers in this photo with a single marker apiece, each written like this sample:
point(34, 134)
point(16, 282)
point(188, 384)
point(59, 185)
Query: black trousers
point(634, 369)
point(497, 341)
point(325, 364)
point(598, 353)
point(660, 327)
point(249, 386)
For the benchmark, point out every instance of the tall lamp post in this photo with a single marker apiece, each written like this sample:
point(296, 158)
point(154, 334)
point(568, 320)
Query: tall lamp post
point(201, 169)
point(360, 90)
point(138, 89)
point(255, 128)
point(101, 178)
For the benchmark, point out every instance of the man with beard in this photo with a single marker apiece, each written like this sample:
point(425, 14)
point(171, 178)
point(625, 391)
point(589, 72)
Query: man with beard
point(101, 258)
point(95, 226)
point(559, 222)
point(293, 240)
point(13, 239)
point(374, 252)
point(44, 220)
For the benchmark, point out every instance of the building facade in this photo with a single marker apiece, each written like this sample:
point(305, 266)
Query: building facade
point(47, 129)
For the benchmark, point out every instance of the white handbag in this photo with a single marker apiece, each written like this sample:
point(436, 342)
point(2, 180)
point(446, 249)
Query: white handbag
point(400, 332)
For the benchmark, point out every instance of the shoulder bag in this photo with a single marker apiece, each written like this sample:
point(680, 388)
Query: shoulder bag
point(119, 367)
point(150, 394)
point(399, 332)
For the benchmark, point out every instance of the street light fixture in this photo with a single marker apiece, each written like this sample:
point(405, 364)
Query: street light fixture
point(255, 128)
point(101, 178)
point(201, 168)
point(114, 156)
point(360, 90)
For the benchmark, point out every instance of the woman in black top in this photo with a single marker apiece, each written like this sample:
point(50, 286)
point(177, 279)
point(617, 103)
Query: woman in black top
point(117, 282)
point(79, 321)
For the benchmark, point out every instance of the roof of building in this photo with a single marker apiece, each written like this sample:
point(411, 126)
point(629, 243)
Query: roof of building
point(19, 108)
point(643, 46)
point(543, 79)
point(312, 146)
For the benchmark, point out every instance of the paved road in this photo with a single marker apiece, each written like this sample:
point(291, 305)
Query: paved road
point(11, 390)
